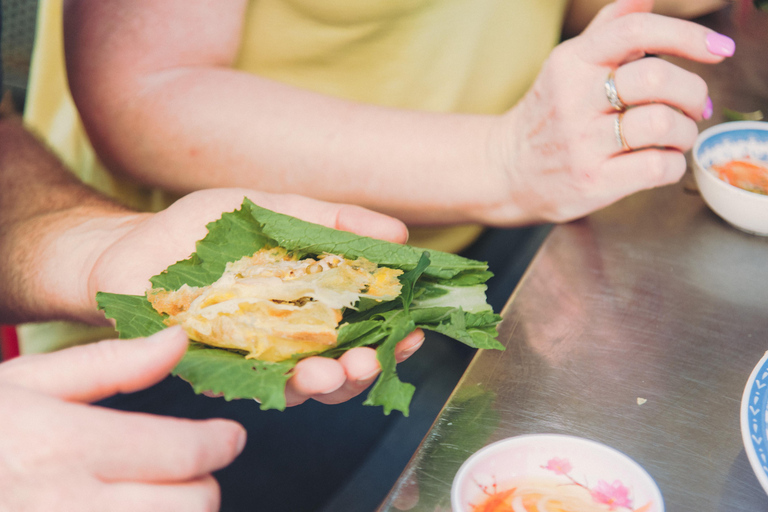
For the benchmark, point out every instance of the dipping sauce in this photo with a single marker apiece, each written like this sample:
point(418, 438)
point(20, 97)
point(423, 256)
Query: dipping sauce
point(747, 174)
point(554, 495)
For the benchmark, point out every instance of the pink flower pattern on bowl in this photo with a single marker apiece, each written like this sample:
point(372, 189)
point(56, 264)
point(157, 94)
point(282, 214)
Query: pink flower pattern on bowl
point(614, 495)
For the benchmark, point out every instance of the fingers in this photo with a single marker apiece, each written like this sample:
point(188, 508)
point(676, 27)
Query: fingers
point(49, 434)
point(313, 377)
point(638, 170)
point(334, 381)
point(364, 222)
point(361, 369)
point(647, 126)
point(354, 219)
point(630, 36)
point(91, 372)
point(654, 80)
point(199, 495)
point(618, 9)
point(145, 448)
point(406, 347)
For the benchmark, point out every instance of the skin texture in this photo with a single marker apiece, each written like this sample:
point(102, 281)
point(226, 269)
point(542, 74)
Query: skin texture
point(58, 453)
point(552, 157)
point(60, 242)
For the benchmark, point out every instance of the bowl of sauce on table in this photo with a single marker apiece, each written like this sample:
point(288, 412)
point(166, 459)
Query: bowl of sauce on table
point(731, 171)
point(553, 473)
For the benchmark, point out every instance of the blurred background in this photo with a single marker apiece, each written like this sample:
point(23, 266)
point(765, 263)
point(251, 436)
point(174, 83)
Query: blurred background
point(18, 36)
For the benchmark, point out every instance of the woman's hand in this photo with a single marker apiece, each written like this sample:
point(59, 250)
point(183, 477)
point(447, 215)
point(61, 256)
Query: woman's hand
point(568, 151)
point(58, 453)
point(155, 241)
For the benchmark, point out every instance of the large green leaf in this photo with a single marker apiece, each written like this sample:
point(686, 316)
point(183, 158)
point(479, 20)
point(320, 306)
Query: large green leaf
point(308, 238)
point(456, 284)
point(231, 375)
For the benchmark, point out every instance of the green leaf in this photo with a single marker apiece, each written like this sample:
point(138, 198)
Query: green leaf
point(735, 115)
point(478, 330)
point(389, 391)
point(408, 280)
point(436, 279)
point(134, 316)
point(230, 374)
point(233, 236)
point(308, 238)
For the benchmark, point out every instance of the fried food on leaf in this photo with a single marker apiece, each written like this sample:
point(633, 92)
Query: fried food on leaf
point(264, 290)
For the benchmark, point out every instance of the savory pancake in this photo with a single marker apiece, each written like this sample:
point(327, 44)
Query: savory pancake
point(273, 305)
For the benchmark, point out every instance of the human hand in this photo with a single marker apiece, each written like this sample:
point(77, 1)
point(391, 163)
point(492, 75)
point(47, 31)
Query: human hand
point(564, 157)
point(156, 241)
point(59, 453)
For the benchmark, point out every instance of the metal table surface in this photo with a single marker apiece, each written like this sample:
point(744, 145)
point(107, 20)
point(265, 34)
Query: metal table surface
point(637, 327)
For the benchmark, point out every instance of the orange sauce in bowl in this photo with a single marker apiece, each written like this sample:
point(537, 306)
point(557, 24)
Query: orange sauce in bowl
point(543, 495)
point(746, 174)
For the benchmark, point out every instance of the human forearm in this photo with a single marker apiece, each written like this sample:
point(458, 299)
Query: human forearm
point(51, 230)
point(217, 127)
point(167, 107)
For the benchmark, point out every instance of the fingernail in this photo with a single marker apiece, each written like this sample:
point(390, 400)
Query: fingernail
point(410, 350)
point(708, 109)
point(721, 45)
point(241, 441)
point(369, 376)
point(165, 334)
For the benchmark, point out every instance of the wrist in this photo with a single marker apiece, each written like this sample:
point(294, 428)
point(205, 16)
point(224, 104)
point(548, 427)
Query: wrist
point(507, 203)
point(66, 257)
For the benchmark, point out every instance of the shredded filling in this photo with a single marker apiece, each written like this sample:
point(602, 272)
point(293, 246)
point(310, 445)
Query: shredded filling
point(273, 305)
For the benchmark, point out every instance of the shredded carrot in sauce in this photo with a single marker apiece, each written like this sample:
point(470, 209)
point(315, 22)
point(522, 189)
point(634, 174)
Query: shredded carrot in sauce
point(745, 174)
point(547, 498)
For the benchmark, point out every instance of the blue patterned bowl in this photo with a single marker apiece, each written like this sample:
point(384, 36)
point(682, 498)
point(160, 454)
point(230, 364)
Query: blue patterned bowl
point(754, 407)
point(720, 144)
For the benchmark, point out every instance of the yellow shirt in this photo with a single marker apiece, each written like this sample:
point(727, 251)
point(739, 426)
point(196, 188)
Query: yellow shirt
point(468, 56)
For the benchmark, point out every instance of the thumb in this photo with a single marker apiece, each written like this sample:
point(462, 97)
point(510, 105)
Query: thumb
point(618, 9)
point(91, 372)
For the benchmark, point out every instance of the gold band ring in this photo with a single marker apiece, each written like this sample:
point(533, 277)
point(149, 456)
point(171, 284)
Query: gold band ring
point(613, 95)
point(618, 132)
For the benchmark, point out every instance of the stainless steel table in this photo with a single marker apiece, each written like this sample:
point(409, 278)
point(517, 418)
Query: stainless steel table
point(653, 299)
point(637, 327)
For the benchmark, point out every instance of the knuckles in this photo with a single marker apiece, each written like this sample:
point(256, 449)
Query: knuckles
point(654, 75)
point(661, 121)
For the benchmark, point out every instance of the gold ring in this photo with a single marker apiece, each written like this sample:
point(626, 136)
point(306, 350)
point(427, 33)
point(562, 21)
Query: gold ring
point(613, 95)
point(618, 131)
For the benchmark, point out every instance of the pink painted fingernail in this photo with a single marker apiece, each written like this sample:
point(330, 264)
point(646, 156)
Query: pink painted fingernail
point(708, 109)
point(721, 45)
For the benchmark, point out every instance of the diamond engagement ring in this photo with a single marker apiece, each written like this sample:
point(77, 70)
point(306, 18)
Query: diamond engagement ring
point(613, 95)
point(618, 131)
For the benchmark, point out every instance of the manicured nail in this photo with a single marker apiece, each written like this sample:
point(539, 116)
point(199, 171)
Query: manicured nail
point(708, 109)
point(721, 45)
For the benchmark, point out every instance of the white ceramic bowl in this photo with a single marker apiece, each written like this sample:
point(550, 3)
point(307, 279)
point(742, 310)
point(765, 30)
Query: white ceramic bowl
point(719, 144)
point(754, 420)
point(559, 459)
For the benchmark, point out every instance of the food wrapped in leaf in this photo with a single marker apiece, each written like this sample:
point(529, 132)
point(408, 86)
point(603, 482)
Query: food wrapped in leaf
point(264, 290)
point(275, 306)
